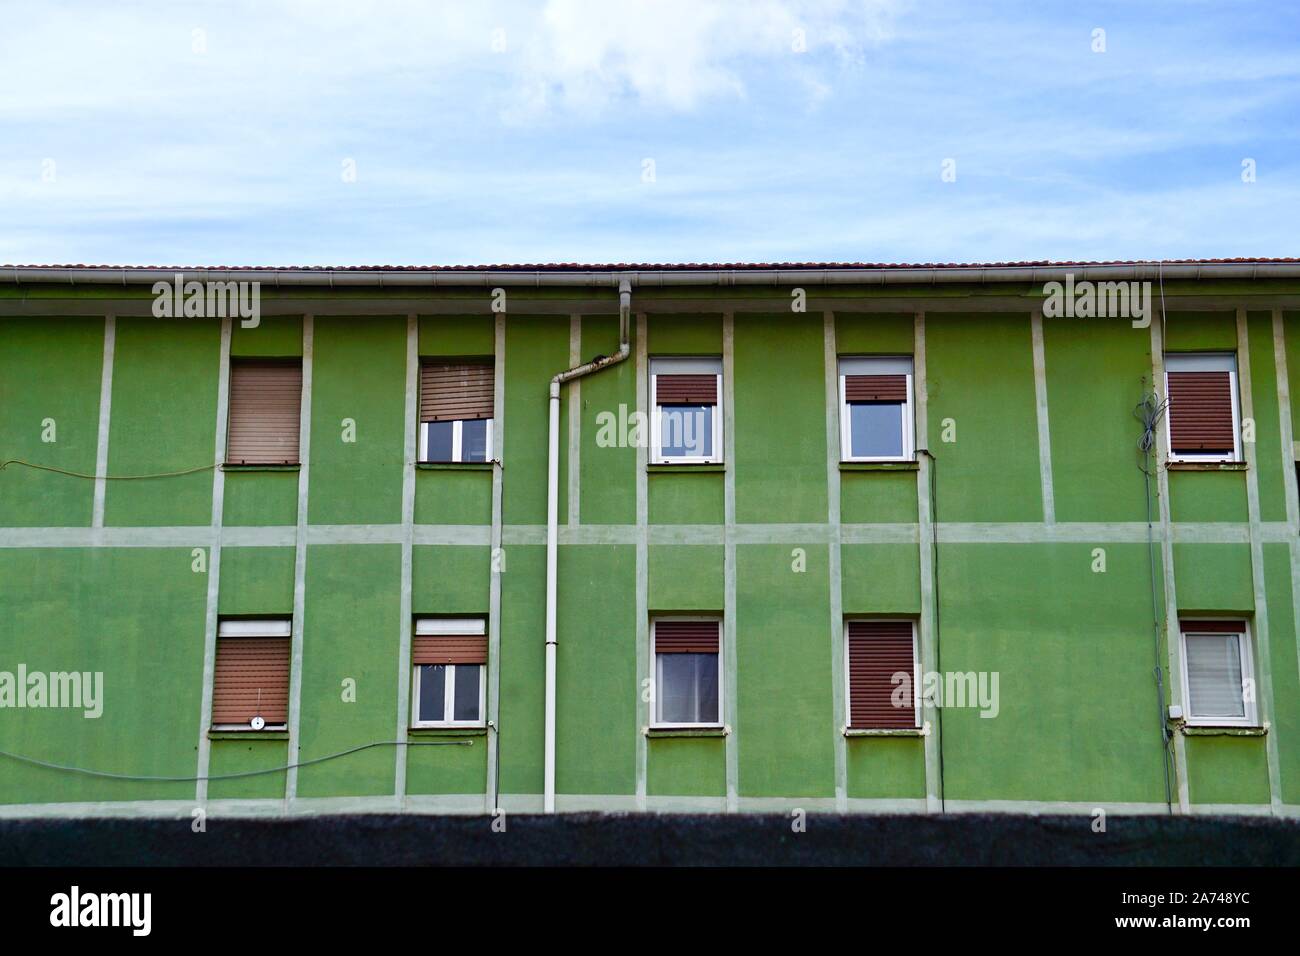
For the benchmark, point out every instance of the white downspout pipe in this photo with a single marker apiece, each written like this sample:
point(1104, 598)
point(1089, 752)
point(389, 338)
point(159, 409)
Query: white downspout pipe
point(553, 520)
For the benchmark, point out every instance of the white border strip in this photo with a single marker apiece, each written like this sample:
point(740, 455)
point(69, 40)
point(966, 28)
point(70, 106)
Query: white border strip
point(286, 536)
point(468, 804)
point(642, 569)
point(1262, 649)
point(729, 558)
point(835, 579)
point(1044, 433)
point(934, 797)
point(574, 398)
point(496, 566)
point(105, 419)
point(214, 564)
point(410, 423)
point(1173, 639)
point(300, 558)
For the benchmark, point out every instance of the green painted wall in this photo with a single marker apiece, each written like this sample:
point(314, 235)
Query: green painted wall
point(783, 674)
point(780, 431)
point(607, 468)
point(1096, 373)
point(163, 421)
point(989, 471)
point(1072, 647)
point(34, 354)
point(134, 615)
point(359, 373)
point(350, 631)
point(1078, 699)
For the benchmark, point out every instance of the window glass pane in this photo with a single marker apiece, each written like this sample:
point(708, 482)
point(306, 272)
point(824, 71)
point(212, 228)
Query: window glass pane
point(688, 688)
point(1214, 676)
point(676, 689)
point(473, 440)
point(465, 706)
point(876, 429)
point(437, 441)
point(706, 683)
point(687, 431)
point(433, 683)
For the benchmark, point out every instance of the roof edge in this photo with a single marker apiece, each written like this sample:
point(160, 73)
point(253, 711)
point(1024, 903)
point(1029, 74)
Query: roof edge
point(657, 275)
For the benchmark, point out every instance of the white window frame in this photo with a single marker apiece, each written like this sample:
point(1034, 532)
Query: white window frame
point(876, 365)
point(1205, 362)
point(655, 722)
point(449, 627)
point(1245, 648)
point(456, 451)
point(684, 366)
point(916, 669)
point(270, 627)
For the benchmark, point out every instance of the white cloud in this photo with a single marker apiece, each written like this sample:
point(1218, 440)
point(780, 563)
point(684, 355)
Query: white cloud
point(677, 53)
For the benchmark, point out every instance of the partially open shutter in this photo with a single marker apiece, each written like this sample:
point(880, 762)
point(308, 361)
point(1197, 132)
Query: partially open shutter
point(877, 651)
point(875, 388)
point(457, 392)
point(1200, 412)
point(686, 637)
point(265, 411)
point(1213, 627)
point(449, 649)
point(251, 679)
point(686, 389)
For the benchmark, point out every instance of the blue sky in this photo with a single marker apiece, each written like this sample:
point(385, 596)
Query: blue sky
point(484, 132)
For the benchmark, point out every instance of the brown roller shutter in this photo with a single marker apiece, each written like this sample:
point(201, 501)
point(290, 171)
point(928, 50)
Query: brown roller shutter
point(1213, 627)
point(1200, 412)
point(265, 411)
point(251, 678)
point(875, 388)
point(686, 389)
point(449, 649)
point(877, 651)
point(686, 637)
point(456, 392)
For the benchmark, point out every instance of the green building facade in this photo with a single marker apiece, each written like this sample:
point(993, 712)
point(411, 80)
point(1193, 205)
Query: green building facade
point(1020, 540)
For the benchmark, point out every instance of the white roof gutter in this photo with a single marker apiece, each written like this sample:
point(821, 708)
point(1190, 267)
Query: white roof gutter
point(650, 278)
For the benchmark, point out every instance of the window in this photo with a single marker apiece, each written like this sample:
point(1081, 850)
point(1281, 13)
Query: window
point(449, 657)
point(265, 412)
point(250, 684)
point(1203, 416)
point(1218, 675)
point(876, 409)
point(688, 675)
point(882, 668)
point(456, 411)
point(687, 425)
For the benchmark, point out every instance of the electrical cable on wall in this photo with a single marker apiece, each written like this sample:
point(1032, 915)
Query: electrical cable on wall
point(84, 771)
point(80, 474)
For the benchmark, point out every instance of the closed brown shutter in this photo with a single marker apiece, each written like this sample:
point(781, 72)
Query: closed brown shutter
point(265, 411)
point(457, 392)
point(449, 649)
point(1213, 627)
point(686, 637)
point(686, 389)
point(877, 651)
point(875, 388)
point(1200, 412)
point(251, 679)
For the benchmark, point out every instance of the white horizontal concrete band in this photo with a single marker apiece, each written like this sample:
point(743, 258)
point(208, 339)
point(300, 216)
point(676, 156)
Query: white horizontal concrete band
point(439, 804)
point(188, 536)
